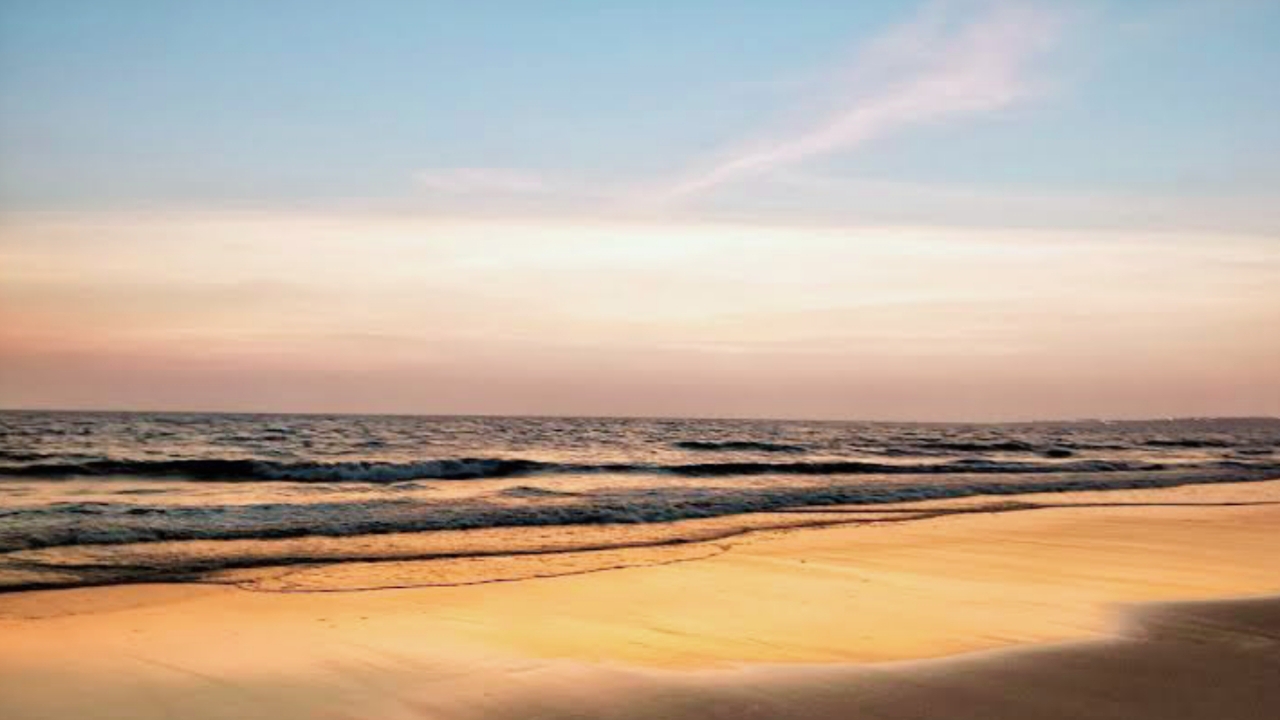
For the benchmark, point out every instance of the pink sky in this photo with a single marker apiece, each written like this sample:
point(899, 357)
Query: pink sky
point(381, 313)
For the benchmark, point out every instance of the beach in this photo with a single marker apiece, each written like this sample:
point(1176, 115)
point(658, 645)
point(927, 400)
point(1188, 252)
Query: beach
point(639, 360)
point(1124, 603)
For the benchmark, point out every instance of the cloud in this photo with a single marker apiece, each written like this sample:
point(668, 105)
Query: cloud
point(932, 69)
point(480, 180)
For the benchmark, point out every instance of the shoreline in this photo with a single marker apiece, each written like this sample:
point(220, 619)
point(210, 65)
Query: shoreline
point(829, 620)
point(489, 553)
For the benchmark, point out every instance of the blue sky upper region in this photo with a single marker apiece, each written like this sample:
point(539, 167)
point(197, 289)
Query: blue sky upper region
point(936, 210)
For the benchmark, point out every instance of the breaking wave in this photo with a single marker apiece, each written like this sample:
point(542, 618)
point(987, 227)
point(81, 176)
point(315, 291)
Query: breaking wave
point(100, 523)
point(232, 470)
point(738, 446)
point(222, 469)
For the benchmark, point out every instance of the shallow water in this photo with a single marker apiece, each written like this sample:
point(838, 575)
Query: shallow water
point(108, 497)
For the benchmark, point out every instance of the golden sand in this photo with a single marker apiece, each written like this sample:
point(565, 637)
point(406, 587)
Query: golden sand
point(777, 623)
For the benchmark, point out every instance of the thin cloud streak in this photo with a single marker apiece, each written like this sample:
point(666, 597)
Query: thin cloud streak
point(928, 70)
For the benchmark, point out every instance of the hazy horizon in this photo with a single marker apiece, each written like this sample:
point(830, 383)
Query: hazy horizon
point(740, 418)
point(939, 211)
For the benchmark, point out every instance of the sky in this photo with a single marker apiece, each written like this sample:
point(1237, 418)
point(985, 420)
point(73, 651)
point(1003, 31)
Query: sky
point(938, 210)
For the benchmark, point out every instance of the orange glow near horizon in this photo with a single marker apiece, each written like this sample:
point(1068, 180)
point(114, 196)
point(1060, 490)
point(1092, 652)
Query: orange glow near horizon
point(395, 314)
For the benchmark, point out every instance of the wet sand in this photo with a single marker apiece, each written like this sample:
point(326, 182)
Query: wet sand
point(1057, 607)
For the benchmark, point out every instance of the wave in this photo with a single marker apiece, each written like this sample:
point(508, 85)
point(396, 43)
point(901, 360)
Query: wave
point(978, 446)
point(1063, 450)
point(247, 470)
point(1189, 443)
point(98, 523)
point(20, 456)
point(228, 469)
point(847, 467)
point(738, 446)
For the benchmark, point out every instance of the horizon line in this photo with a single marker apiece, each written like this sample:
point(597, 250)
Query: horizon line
point(708, 418)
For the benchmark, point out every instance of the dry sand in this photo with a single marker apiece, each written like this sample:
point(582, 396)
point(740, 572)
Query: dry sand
point(1030, 612)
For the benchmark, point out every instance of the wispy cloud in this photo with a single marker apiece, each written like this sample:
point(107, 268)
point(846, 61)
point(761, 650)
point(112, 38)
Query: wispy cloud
point(480, 180)
point(935, 68)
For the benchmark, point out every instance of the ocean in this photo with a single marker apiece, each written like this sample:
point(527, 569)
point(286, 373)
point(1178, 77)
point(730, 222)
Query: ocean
point(91, 498)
